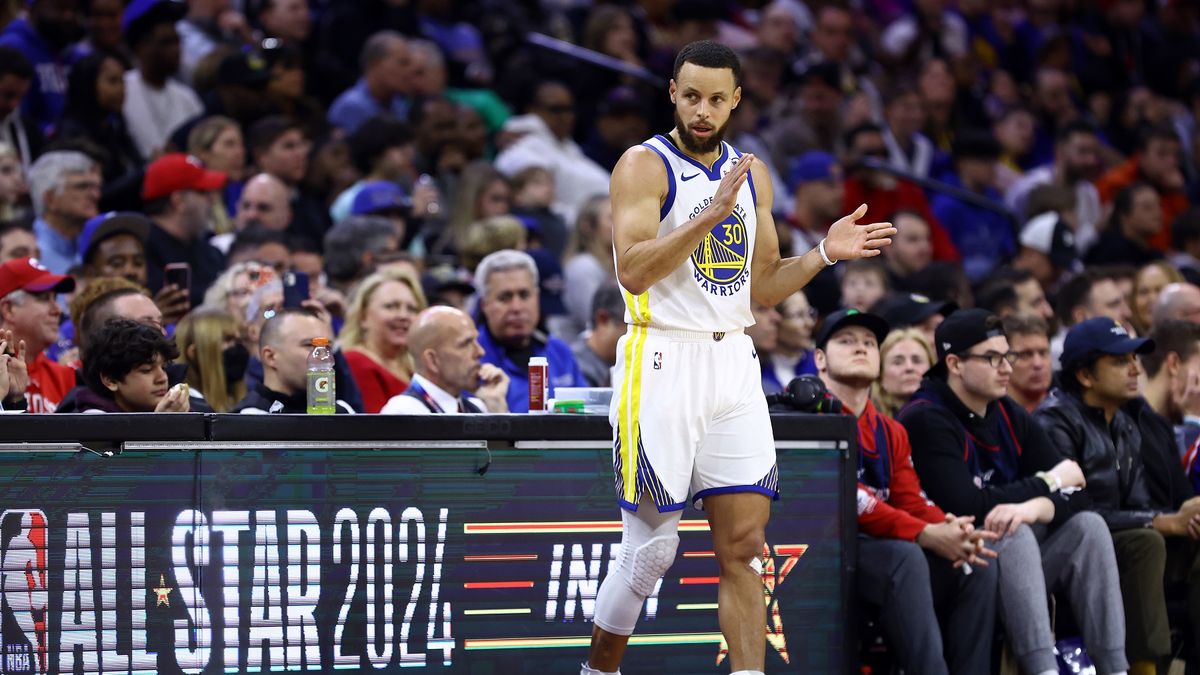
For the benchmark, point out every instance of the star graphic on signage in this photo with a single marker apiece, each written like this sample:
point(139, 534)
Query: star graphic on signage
point(163, 591)
point(773, 575)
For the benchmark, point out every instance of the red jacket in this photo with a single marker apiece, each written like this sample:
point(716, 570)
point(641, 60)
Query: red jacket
point(882, 204)
point(49, 382)
point(899, 510)
point(375, 381)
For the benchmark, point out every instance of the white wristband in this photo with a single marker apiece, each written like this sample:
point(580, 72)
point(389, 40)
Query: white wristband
point(824, 256)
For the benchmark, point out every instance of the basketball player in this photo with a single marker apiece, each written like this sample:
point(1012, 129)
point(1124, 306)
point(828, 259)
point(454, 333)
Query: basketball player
point(694, 239)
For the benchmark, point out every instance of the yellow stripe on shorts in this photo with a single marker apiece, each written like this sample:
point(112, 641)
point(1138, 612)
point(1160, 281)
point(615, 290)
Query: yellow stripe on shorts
point(629, 408)
point(638, 305)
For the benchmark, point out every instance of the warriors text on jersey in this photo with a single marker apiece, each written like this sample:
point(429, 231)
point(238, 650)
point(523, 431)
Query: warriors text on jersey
point(711, 291)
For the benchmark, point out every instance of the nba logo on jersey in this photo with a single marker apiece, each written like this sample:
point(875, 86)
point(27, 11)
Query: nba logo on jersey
point(658, 360)
point(24, 585)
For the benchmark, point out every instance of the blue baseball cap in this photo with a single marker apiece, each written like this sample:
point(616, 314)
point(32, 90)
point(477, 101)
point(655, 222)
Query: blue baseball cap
point(813, 166)
point(136, 10)
point(106, 225)
point(378, 196)
point(1100, 335)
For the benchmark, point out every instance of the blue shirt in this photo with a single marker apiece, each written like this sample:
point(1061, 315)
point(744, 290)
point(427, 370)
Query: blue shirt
point(356, 105)
point(984, 238)
point(47, 94)
point(564, 371)
point(58, 253)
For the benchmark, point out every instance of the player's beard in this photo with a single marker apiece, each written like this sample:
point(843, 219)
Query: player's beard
point(695, 145)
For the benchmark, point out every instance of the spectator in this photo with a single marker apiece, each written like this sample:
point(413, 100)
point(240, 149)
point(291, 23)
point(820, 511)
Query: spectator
point(231, 292)
point(28, 308)
point(112, 298)
point(155, 103)
point(793, 353)
point(812, 120)
point(532, 194)
point(208, 343)
point(589, 260)
point(1185, 237)
point(16, 241)
point(885, 194)
point(911, 250)
point(1013, 129)
point(18, 131)
point(1086, 420)
point(1171, 388)
point(1027, 296)
point(65, 189)
point(1086, 296)
point(261, 245)
point(490, 235)
point(902, 310)
point(905, 356)
point(383, 87)
point(864, 283)
point(1076, 162)
point(1047, 241)
point(382, 150)
point(1136, 221)
point(595, 349)
point(280, 149)
point(428, 78)
point(209, 25)
point(384, 199)
point(508, 318)
point(1148, 285)
point(287, 20)
point(12, 181)
point(483, 192)
point(1177, 302)
point(217, 142)
point(930, 30)
point(1029, 341)
point(13, 373)
point(284, 347)
point(908, 149)
point(125, 370)
point(1158, 164)
point(547, 130)
point(908, 549)
point(376, 335)
point(95, 100)
point(622, 121)
point(764, 335)
point(42, 36)
point(449, 376)
point(179, 194)
point(980, 454)
point(263, 203)
point(355, 246)
point(983, 236)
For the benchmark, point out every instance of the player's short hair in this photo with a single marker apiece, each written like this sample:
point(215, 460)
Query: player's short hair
point(709, 54)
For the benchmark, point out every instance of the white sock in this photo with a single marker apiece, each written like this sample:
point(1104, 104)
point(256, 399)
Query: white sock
point(588, 670)
point(748, 672)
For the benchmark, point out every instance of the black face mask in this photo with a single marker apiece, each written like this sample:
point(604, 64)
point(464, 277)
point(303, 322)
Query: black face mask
point(235, 359)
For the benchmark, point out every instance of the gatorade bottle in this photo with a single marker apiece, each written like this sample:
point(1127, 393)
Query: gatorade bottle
point(321, 390)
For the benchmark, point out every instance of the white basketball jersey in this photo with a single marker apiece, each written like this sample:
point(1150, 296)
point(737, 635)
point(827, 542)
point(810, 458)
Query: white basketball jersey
point(711, 291)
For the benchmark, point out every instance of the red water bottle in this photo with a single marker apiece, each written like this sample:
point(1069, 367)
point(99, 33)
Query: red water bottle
point(539, 384)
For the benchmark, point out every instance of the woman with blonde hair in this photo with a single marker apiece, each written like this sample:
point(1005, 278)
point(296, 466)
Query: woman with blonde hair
point(482, 192)
point(375, 336)
point(904, 358)
point(1148, 284)
point(589, 259)
point(208, 342)
point(217, 141)
point(489, 235)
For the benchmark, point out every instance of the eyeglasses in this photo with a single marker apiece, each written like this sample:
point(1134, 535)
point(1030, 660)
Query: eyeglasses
point(993, 358)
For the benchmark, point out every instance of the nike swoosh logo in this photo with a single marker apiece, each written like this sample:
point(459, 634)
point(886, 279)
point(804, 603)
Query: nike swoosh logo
point(691, 176)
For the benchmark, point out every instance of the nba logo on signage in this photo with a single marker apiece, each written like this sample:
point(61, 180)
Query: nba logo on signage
point(24, 586)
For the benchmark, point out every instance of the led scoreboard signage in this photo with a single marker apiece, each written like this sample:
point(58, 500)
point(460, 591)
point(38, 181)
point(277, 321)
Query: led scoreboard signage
point(357, 560)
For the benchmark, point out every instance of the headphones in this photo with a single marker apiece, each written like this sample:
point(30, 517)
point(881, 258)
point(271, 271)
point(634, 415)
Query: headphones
point(806, 394)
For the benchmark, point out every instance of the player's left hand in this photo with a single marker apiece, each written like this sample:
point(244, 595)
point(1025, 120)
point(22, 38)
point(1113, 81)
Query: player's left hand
point(847, 240)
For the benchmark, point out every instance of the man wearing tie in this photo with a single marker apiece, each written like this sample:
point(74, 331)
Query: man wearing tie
point(448, 374)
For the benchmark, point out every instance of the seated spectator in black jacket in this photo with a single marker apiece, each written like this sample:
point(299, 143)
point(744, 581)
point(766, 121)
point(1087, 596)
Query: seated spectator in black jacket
point(284, 346)
point(1086, 420)
point(980, 454)
point(909, 551)
point(125, 369)
point(1173, 389)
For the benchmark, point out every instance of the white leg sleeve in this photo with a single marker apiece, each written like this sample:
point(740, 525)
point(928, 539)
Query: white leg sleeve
point(648, 543)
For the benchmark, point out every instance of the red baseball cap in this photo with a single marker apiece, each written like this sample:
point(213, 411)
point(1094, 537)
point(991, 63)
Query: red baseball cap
point(27, 274)
point(177, 171)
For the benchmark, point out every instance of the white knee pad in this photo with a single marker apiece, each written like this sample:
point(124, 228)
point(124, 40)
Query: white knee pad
point(648, 563)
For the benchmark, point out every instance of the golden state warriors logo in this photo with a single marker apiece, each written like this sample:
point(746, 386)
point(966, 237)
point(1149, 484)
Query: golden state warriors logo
point(720, 260)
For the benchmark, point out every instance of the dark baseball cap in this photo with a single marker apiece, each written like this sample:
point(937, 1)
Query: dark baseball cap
point(1100, 335)
point(110, 224)
point(380, 197)
point(850, 317)
point(902, 310)
point(961, 331)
